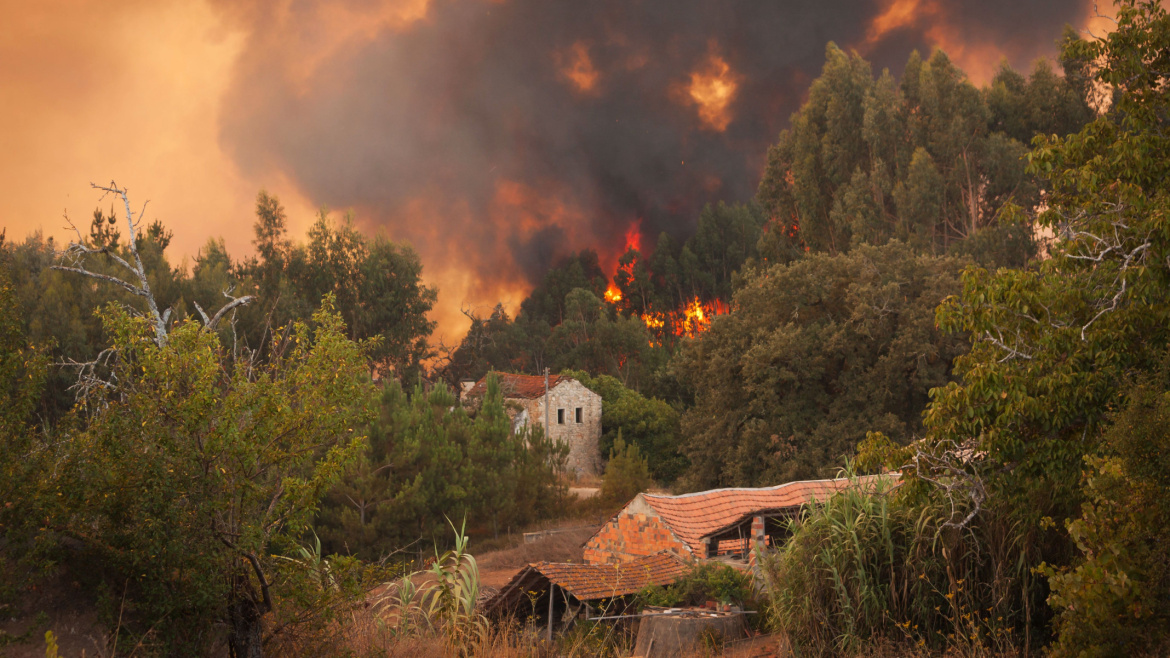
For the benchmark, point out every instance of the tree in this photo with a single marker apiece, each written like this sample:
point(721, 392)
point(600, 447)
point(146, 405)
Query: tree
point(1055, 348)
point(153, 242)
point(23, 369)
point(377, 285)
point(429, 461)
point(626, 474)
point(194, 471)
point(934, 162)
point(1113, 599)
point(596, 339)
point(816, 353)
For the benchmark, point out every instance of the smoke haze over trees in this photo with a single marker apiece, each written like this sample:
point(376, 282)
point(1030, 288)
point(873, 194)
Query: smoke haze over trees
point(548, 129)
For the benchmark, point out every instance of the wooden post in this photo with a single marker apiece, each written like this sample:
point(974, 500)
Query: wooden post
point(547, 427)
point(551, 592)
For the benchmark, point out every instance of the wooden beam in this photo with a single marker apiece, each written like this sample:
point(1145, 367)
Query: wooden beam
point(551, 590)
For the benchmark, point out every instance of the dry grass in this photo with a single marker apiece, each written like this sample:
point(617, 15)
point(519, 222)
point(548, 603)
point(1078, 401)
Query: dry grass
point(496, 567)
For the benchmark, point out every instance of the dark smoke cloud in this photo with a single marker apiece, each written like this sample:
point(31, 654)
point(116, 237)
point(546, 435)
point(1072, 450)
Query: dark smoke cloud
point(460, 133)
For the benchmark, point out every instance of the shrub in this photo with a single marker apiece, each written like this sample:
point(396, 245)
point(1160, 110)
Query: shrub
point(1113, 601)
point(626, 474)
point(873, 564)
point(719, 582)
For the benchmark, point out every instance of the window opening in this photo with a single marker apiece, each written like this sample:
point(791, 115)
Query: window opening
point(578, 414)
point(560, 416)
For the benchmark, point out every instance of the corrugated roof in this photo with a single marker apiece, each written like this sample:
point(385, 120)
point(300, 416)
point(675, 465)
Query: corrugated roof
point(518, 386)
point(590, 582)
point(695, 516)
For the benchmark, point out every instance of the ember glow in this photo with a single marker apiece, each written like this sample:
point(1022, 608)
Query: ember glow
point(578, 69)
point(712, 89)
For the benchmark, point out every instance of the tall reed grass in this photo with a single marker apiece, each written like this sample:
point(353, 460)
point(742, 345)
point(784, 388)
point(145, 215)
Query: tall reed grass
point(875, 566)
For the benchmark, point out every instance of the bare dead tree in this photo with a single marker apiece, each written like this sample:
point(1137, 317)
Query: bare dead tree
point(953, 469)
point(73, 259)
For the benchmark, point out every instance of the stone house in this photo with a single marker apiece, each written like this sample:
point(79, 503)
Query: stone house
point(573, 412)
point(721, 523)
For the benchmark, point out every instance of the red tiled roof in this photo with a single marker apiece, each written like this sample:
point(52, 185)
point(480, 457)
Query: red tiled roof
point(590, 582)
point(518, 386)
point(695, 516)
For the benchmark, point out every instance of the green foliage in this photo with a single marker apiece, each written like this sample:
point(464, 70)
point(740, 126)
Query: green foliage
point(1113, 602)
point(1053, 348)
point(704, 582)
point(23, 370)
point(194, 470)
point(816, 353)
point(935, 160)
point(428, 458)
point(626, 473)
point(648, 423)
point(870, 563)
point(547, 302)
point(376, 285)
point(596, 339)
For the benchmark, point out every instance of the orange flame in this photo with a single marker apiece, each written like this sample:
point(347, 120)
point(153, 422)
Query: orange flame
point(634, 236)
point(577, 68)
point(712, 89)
point(612, 294)
point(696, 317)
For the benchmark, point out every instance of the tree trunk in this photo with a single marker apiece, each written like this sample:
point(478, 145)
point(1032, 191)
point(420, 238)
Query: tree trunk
point(247, 635)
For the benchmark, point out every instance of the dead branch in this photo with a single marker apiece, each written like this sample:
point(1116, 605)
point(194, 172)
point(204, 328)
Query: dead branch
point(137, 283)
point(952, 471)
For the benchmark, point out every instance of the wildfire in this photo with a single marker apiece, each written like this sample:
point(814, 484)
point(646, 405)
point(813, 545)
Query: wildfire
point(696, 317)
point(577, 68)
point(634, 236)
point(712, 89)
point(689, 321)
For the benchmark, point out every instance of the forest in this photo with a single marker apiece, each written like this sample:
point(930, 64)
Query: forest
point(968, 285)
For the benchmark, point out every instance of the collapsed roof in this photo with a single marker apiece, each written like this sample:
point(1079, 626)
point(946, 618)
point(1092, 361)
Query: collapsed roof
point(587, 582)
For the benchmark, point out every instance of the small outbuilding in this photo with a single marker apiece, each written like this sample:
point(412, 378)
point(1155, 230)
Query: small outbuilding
point(579, 590)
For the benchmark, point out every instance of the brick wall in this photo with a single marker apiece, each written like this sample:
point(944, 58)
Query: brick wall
point(635, 532)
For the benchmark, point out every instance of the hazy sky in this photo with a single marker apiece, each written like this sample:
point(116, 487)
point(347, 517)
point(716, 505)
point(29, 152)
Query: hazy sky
point(494, 135)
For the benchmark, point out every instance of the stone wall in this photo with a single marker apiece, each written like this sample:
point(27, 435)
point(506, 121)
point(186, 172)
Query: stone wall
point(635, 532)
point(582, 437)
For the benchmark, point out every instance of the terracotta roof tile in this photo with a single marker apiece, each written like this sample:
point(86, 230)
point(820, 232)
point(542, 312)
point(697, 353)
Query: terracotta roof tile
point(518, 386)
point(590, 582)
point(695, 516)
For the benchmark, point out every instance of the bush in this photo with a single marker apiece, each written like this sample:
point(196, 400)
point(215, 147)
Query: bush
point(626, 474)
point(876, 564)
point(1114, 601)
point(705, 582)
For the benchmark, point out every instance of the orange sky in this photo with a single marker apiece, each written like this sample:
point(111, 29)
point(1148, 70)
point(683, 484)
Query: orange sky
point(132, 90)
